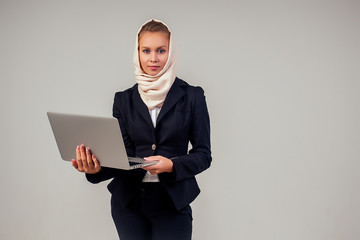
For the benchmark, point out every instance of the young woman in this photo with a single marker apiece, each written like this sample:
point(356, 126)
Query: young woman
point(158, 118)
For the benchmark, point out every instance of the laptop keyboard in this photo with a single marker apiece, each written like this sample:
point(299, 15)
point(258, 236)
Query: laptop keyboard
point(131, 163)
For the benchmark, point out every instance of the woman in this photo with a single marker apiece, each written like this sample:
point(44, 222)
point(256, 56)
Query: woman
point(158, 117)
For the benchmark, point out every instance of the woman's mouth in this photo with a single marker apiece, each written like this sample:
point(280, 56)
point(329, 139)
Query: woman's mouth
point(154, 68)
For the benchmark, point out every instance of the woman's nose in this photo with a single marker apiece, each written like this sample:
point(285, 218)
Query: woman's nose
point(153, 57)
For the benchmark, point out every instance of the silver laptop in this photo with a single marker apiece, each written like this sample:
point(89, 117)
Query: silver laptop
point(101, 134)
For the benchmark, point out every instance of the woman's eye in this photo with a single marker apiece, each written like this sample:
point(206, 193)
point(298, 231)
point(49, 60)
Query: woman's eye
point(146, 50)
point(161, 51)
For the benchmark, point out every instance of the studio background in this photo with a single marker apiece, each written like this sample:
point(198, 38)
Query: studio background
point(281, 80)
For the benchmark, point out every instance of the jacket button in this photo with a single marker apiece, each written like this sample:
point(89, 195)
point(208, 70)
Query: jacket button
point(153, 147)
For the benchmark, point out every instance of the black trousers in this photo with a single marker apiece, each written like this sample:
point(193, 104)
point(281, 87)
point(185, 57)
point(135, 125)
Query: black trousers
point(152, 216)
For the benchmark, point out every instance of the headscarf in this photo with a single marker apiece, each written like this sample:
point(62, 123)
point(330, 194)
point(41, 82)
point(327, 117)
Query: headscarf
point(153, 89)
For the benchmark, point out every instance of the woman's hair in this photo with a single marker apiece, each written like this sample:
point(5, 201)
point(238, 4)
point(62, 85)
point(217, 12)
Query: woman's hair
point(154, 26)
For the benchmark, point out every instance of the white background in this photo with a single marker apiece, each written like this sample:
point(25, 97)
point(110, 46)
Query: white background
point(282, 85)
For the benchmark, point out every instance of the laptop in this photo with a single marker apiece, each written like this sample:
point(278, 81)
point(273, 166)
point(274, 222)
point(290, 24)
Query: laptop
point(101, 134)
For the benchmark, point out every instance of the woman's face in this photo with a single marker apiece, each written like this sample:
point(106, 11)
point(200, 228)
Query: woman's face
point(153, 51)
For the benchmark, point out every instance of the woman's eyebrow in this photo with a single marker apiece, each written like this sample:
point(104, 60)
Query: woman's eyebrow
point(156, 47)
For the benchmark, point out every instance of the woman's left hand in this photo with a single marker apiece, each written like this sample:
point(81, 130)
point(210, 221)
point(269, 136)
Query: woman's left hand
point(164, 165)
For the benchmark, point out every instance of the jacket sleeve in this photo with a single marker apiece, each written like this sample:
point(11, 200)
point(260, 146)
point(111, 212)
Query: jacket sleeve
point(117, 113)
point(199, 157)
point(105, 172)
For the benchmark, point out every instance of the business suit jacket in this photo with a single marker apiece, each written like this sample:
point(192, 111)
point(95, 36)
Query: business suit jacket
point(183, 117)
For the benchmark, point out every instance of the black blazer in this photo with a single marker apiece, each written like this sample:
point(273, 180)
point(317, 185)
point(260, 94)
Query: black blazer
point(183, 117)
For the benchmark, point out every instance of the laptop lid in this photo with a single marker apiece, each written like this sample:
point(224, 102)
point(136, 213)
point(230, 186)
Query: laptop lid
point(101, 134)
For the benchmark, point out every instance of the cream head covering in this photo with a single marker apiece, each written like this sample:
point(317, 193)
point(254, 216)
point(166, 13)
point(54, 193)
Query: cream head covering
point(153, 89)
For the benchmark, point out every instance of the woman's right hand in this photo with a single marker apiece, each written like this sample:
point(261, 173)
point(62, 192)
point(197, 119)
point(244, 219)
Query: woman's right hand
point(85, 161)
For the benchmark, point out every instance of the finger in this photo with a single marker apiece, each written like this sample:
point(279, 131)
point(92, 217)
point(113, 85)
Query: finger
point(96, 163)
point(80, 165)
point(74, 163)
point(154, 172)
point(78, 156)
point(78, 162)
point(151, 158)
point(82, 152)
point(89, 158)
point(83, 157)
point(150, 168)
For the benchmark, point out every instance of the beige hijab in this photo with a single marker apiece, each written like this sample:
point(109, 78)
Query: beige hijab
point(153, 89)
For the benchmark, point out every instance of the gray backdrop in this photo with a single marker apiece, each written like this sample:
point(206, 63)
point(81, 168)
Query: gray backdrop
point(282, 85)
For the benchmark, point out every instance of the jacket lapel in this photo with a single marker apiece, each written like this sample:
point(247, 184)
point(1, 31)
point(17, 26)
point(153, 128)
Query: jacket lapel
point(140, 106)
point(174, 95)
